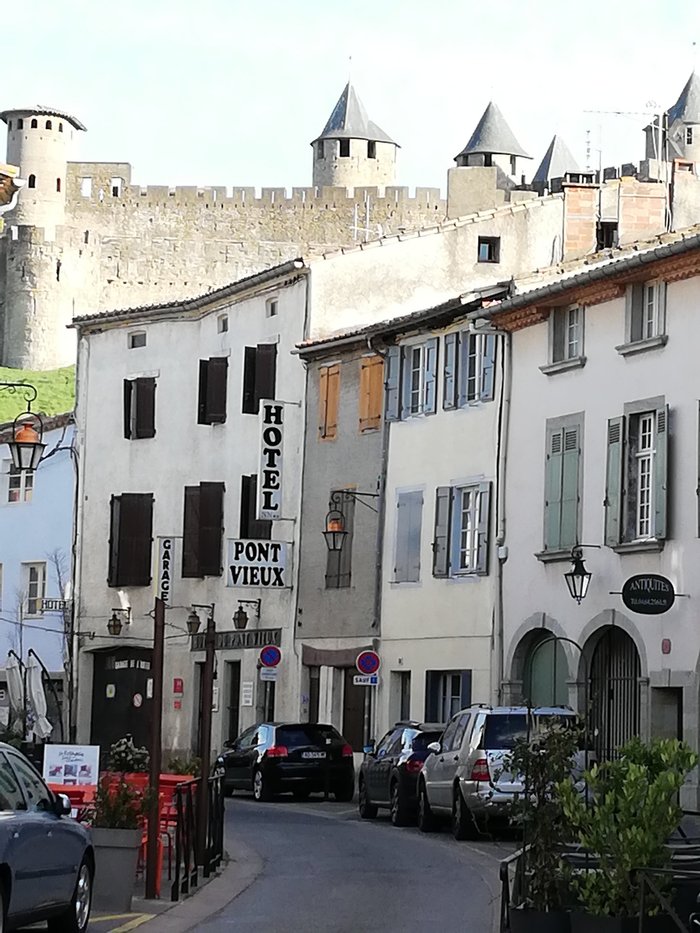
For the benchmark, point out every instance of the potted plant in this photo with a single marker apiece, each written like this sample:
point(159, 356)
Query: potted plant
point(543, 761)
point(116, 836)
point(126, 758)
point(634, 810)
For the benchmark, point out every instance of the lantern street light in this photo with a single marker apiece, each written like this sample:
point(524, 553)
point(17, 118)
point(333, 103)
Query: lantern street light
point(578, 578)
point(335, 531)
point(193, 622)
point(27, 444)
point(115, 625)
point(240, 616)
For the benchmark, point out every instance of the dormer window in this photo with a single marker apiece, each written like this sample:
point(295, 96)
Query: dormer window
point(344, 149)
point(371, 149)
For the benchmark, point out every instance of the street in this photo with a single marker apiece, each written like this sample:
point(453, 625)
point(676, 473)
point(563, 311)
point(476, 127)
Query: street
point(327, 870)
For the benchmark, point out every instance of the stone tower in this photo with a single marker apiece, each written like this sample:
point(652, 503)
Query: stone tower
point(352, 151)
point(683, 123)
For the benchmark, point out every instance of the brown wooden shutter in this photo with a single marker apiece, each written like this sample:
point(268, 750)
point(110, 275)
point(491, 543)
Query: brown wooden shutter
point(190, 533)
point(265, 372)
point(216, 390)
point(145, 407)
point(135, 537)
point(371, 392)
point(322, 401)
point(114, 510)
point(202, 401)
point(128, 388)
point(252, 527)
point(211, 528)
point(248, 406)
point(244, 526)
point(333, 394)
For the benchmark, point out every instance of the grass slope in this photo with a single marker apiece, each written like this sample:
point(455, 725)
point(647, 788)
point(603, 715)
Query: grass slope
point(55, 392)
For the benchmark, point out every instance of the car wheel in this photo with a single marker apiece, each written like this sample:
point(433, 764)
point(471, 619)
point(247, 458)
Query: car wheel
point(261, 791)
point(399, 812)
point(368, 810)
point(462, 821)
point(426, 817)
point(344, 793)
point(77, 917)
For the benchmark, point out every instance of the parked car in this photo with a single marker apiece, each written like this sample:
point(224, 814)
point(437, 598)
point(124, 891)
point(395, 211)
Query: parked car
point(465, 776)
point(46, 859)
point(301, 758)
point(389, 773)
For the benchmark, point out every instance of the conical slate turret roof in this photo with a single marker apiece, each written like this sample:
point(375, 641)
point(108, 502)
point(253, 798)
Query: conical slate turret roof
point(687, 107)
point(557, 161)
point(492, 134)
point(349, 120)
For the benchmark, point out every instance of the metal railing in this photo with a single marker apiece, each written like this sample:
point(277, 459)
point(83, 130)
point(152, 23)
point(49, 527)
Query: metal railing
point(214, 847)
point(187, 824)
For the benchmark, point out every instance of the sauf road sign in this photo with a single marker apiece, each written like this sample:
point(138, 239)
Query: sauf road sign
point(368, 664)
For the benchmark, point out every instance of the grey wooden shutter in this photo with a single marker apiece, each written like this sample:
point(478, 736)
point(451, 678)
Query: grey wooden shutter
point(465, 343)
point(634, 311)
point(248, 406)
point(128, 389)
point(488, 366)
point(216, 390)
point(265, 372)
point(135, 539)
point(430, 386)
point(392, 393)
point(408, 535)
point(414, 535)
point(552, 489)
point(558, 320)
point(449, 379)
point(202, 400)
point(112, 570)
point(661, 298)
point(211, 528)
point(661, 473)
point(190, 533)
point(406, 377)
point(570, 487)
point(613, 481)
point(145, 388)
point(441, 540)
point(482, 557)
point(401, 548)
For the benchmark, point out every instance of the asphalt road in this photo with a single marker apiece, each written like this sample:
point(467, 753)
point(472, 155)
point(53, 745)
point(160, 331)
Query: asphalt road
point(326, 870)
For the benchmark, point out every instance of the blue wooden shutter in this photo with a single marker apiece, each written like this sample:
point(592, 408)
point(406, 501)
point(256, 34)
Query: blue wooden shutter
point(660, 473)
point(401, 548)
point(482, 557)
point(441, 540)
point(408, 537)
point(488, 365)
point(449, 383)
point(392, 391)
point(552, 490)
point(568, 536)
point(406, 378)
point(463, 368)
point(430, 387)
point(613, 481)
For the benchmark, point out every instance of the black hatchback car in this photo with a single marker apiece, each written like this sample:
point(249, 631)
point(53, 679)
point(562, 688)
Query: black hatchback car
point(299, 758)
point(389, 773)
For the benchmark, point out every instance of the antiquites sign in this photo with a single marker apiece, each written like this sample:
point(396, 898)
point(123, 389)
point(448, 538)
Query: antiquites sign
point(250, 638)
point(258, 563)
point(648, 593)
point(271, 457)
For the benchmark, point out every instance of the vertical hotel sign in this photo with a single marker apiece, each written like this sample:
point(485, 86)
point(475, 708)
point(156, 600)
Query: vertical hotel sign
point(271, 459)
point(166, 557)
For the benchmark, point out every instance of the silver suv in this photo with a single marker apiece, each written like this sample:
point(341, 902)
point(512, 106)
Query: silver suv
point(464, 776)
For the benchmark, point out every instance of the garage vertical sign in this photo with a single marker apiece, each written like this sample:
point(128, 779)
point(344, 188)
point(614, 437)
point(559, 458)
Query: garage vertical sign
point(271, 459)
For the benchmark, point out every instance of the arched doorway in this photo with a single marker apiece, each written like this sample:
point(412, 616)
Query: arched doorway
point(614, 691)
point(540, 664)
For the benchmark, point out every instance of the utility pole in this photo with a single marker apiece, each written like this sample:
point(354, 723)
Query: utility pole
point(155, 750)
point(205, 736)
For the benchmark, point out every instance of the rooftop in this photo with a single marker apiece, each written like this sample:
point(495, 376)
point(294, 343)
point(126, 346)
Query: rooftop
point(38, 109)
point(557, 161)
point(349, 120)
point(493, 135)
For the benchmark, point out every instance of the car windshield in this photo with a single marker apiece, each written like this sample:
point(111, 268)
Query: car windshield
point(421, 740)
point(306, 734)
point(503, 731)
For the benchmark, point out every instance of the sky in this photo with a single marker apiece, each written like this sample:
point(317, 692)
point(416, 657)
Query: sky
point(231, 92)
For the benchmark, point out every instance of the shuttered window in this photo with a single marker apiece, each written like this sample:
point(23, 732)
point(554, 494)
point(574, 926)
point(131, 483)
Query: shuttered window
point(139, 407)
point(409, 507)
point(250, 526)
point(329, 395)
point(212, 390)
point(339, 563)
point(259, 376)
point(645, 310)
point(461, 541)
point(130, 539)
point(203, 528)
point(392, 384)
point(371, 392)
point(566, 334)
point(563, 476)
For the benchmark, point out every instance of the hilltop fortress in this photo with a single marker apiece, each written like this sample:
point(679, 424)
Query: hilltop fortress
point(82, 238)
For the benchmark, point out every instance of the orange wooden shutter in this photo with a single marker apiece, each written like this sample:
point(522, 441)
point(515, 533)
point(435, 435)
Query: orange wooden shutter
point(371, 392)
point(329, 391)
point(322, 400)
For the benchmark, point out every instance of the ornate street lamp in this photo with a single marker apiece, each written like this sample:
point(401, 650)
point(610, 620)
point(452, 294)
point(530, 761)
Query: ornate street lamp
point(115, 625)
point(335, 532)
point(27, 446)
point(578, 578)
point(193, 622)
point(240, 616)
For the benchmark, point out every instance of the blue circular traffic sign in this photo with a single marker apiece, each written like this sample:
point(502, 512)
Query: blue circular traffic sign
point(270, 656)
point(367, 662)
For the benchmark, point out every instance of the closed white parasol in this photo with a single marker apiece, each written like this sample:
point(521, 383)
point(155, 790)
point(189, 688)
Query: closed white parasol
point(15, 693)
point(42, 728)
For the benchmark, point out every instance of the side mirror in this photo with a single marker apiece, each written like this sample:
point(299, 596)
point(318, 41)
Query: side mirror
point(229, 743)
point(435, 748)
point(63, 805)
point(369, 749)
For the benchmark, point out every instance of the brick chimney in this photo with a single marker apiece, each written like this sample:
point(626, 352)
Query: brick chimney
point(580, 219)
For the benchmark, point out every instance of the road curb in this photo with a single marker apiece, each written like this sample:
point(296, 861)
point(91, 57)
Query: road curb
point(240, 872)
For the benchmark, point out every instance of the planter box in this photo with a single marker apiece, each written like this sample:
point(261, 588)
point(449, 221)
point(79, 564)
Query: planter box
point(525, 920)
point(116, 855)
point(588, 923)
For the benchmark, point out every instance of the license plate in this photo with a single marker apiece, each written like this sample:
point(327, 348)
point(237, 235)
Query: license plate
point(313, 754)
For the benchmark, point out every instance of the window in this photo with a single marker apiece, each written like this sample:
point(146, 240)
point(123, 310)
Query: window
point(251, 526)
point(446, 693)
point(86, 187)
point(11, 796)
point(58, 185)
point(116, 186)
point(130, 537)
point(20, 484)
point(222, 324)
point(20, 124)
point(566, 334)
point(468, 374)
point(31, 181)
point(203, 529)
point(339, 563)
point(636, 476)
point(35, 791)
point(329, 393)
point(371, 392)
point(271, 307)
point(320, 149)
point(563, 478)
point(135, 340)
point(34, 124)
point(689, 135)
point(34, 587)
point(60, 127)
point(344, 148)
point(139, 407)
point(409, 508)
point(645, 311)
point(213, 374)
point(259, 376)
point(489, 249)
point(606, 234)
point(411, 380)
point(371, 149)
point(49, 125)
point(461, 541)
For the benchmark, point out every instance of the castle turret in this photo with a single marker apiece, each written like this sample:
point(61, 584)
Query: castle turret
point(683, 123)
point(39, 141)
point(558, 163)
point(493, 143)
point(352, 151)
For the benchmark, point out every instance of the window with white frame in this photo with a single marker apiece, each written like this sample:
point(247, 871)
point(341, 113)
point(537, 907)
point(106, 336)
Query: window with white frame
point(20, 484)
point(411, 383)
point(468, 372)
point(645, 311)
point(566, 334)
point(644, 468)
point(461, 537)
point(35, 588)
point(467, 519)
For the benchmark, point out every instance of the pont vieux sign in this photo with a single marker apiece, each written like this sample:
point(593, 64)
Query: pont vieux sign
point(648, 594)
point(259, 563)
point(271, 459)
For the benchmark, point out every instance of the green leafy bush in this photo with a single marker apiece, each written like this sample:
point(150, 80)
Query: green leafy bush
point(118, 806)
point(125, 756)
point(192, 765)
